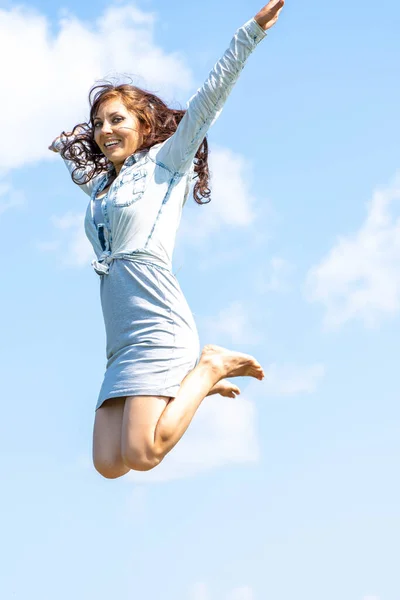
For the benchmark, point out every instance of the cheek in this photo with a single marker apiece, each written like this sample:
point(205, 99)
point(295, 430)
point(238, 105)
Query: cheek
point(131, 137)
point(131, 128)
point(96, 136)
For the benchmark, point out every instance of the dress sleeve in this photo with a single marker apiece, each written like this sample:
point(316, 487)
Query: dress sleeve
point(85, 187)
point(178, 152)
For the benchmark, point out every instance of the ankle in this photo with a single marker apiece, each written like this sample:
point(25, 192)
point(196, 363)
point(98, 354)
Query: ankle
point(212, 365)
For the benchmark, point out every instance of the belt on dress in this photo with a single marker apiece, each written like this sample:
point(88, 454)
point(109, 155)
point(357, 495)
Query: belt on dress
point(102, 264)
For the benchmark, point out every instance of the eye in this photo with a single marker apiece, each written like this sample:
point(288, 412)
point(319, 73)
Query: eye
point(117, 119)
point(97, 124)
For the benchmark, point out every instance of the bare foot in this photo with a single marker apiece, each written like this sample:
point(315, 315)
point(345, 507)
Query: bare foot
point(231, 364)
point(224, 388)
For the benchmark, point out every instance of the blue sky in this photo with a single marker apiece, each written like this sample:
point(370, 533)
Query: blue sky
point(291, 490)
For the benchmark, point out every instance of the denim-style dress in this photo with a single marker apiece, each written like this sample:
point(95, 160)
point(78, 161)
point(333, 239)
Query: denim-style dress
point(152, 340)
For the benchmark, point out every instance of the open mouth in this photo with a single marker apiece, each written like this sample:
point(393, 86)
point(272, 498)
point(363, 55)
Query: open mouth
point(111, 144)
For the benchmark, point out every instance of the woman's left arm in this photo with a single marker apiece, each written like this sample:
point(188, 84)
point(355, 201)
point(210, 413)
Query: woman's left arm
point(178, 152)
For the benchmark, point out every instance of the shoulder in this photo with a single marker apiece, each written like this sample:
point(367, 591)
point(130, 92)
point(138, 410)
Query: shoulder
point(154, 150)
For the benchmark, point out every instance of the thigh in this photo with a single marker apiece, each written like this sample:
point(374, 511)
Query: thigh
point(141, 415)
point(107, 435)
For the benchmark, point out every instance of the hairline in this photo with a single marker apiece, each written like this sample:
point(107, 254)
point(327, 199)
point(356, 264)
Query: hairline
point(115, 94)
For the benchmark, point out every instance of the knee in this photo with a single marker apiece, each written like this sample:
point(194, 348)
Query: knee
point(140, 461)
point(108, 469)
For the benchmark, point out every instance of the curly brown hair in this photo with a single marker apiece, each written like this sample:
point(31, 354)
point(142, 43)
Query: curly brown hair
point(159, 123)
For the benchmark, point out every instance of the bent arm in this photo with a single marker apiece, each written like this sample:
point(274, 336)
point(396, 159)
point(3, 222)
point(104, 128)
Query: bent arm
point(178, 152)
point(57, 146)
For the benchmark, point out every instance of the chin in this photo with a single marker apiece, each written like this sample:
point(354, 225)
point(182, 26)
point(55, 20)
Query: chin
point(120, 154)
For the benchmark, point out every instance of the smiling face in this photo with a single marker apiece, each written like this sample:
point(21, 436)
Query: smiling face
point(117, 132)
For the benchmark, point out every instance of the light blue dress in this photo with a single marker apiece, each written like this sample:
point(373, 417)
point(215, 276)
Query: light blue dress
point(152, 340)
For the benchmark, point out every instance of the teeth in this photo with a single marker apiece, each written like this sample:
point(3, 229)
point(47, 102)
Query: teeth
point(108, 144)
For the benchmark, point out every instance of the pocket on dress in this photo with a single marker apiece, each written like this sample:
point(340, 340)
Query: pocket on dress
point(130, 188)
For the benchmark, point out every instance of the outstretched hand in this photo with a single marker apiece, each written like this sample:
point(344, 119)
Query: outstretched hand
point(76, 131)
point(53, 146)
point(268, 16)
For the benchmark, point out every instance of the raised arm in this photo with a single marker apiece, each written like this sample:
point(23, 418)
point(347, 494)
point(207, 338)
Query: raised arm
point(204, 107)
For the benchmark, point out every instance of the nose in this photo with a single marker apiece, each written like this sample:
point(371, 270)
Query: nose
point(106, 128)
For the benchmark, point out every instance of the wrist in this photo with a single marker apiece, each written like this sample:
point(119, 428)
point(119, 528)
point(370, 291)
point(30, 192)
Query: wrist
point(258, 21)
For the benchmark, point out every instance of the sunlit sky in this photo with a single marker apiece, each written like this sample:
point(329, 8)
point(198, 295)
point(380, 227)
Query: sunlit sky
point(290, 491)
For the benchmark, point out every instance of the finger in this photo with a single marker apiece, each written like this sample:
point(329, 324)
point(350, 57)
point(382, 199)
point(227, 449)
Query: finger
point(268, 15)
point(272, 6)
point(276, 4)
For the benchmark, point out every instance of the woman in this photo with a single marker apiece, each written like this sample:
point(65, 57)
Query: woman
point(136, 159)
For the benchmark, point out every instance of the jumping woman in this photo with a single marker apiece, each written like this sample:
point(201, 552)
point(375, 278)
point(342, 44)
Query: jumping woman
point(136, 159)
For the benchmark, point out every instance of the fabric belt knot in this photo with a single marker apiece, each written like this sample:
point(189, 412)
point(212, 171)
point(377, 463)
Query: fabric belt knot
point(101, 265)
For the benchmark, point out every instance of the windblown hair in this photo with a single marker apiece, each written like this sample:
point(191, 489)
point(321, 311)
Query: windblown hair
point(158, 123)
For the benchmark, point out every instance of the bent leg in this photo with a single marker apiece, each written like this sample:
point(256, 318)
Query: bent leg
point(107, 431)
point(152, 425)
point(141, 415)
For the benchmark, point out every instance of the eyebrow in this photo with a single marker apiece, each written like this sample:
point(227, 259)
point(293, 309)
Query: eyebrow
point(111, 115)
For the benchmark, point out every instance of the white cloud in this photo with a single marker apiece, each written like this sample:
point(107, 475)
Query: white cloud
point(273, 276)
point(71, 245)
point(290, 380)
point(232, 201)
point(242, 593)
point(49, 75)
point(199, 591)
point(9, 197)
point(233, 324)
point(360, 277)
point(223, 432)
point(217, 259)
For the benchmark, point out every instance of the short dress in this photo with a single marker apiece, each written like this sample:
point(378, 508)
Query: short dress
point(151, 337)
point(152, 340)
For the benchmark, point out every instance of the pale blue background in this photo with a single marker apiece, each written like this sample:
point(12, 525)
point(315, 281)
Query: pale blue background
point(317, 515)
